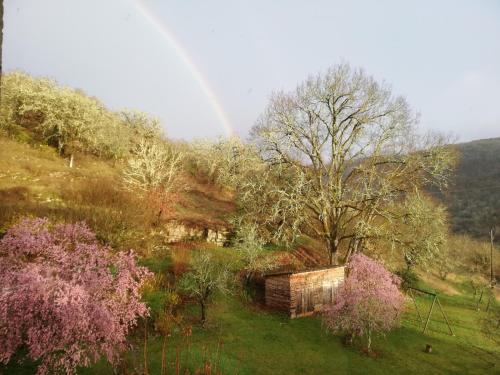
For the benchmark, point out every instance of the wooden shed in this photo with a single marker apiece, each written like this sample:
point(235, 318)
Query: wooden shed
point(302, 293)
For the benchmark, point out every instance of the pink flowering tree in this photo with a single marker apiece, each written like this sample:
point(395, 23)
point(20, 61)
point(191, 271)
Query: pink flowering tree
point(368, 302)
point(65, 297)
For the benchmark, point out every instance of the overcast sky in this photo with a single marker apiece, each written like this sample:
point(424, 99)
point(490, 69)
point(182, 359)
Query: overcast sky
point(201, 65)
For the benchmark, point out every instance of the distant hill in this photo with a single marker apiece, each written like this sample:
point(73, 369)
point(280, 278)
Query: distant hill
point(473, 198)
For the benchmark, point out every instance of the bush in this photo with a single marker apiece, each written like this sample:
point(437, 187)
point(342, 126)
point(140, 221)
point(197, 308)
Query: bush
point(409, 278)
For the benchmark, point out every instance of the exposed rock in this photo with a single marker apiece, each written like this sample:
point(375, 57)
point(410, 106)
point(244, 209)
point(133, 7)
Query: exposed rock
point(219, 237)
point(177, 231)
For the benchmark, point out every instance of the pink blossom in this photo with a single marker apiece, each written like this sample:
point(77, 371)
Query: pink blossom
point(64, 296)
point(368, 301)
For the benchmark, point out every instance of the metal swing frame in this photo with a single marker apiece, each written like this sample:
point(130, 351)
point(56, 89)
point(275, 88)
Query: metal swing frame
point(434, 300)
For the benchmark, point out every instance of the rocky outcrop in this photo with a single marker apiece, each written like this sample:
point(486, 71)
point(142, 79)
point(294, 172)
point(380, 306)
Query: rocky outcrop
point(218, 236)
point(177, 232)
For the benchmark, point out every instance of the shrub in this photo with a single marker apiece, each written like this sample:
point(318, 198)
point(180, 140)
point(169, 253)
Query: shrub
point(409, 278)
point(65, 297)
point(252, 257)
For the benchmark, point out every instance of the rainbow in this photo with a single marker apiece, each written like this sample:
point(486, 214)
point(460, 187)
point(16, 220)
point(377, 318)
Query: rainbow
point(169, 36)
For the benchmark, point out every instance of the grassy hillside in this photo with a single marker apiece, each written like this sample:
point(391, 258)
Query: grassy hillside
point(35, 180)
point(473, 200)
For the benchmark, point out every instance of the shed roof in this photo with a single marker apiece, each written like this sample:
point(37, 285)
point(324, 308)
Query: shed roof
point(296, 272)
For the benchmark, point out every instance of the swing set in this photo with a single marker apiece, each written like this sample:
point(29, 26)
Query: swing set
point(435, 299)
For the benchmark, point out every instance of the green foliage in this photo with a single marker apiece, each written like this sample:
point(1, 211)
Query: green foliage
point(473, 198)
point(409, 278)
point(155, 299)
point(252, 256)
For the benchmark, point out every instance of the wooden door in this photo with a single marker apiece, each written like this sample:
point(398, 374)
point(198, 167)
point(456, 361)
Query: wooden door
point(305, 301)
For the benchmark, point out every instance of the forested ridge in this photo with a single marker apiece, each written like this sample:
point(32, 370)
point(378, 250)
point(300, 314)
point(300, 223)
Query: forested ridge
point(473, 197)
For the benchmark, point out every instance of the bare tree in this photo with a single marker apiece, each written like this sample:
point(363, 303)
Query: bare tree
point(417, 226)
point(206, 276)
point(154, 164)
point(341, 149)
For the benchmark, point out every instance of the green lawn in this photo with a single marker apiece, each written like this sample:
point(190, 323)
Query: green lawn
point(243, 340)
point(246, 341)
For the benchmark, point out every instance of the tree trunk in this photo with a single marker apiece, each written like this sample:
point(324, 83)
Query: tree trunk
point(352, 249)
point(146, 370)
point(349, 339)
point(332, 250)
point(71, 160)
point(177, 362)
point(164, 356)
point(203, 314)
point(369, 337)
point(408, 263)
point(158, 217)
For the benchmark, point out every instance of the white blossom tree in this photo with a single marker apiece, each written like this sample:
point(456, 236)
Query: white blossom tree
point(153, 165)
point(226, 161)
point(252, 256)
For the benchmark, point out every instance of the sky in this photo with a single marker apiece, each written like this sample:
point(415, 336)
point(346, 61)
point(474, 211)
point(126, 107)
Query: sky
point(208, 68)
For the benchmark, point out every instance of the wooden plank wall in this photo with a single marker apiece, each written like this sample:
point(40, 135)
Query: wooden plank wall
point(310, 291)
point(277, 294)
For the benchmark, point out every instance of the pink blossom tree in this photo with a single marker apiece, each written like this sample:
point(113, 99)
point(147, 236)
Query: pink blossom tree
point(65, 297)
point(367, 302)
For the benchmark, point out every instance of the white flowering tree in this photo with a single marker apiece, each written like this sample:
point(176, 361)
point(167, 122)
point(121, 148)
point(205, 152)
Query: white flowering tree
point(153, 165)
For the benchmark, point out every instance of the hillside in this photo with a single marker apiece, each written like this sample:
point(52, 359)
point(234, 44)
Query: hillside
point(242, 338)
point(473, 199)
point(173, 223)
point(36, 181)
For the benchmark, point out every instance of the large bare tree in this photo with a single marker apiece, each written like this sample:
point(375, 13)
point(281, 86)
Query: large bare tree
point(341, 150)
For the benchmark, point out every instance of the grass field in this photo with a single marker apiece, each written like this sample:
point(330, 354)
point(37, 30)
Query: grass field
point(270, 344)
point(256, 342)
point(242, 339)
